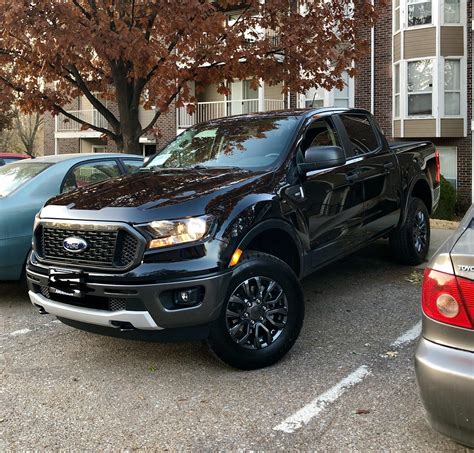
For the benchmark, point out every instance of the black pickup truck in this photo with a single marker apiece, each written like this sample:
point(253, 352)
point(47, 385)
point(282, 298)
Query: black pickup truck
point(211, 238)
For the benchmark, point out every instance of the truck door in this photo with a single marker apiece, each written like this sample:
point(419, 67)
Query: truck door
point(378, 171)
point(332, 199)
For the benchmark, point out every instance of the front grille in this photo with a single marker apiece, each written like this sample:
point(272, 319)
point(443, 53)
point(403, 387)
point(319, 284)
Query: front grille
point(116, 248)
point(94, 302)
point(117, 303)
point(45, 292)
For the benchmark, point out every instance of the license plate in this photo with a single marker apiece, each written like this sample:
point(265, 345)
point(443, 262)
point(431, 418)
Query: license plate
point(66, 282)
point(72, 293)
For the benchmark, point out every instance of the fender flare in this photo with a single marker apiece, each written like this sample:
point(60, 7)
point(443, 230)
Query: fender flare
point(409, 192)
point(275, 224)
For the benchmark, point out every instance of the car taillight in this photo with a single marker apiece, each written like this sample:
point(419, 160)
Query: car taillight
point(438, 167)
point(448, 299)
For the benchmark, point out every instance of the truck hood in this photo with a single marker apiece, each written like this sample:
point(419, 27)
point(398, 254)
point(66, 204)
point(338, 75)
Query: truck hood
point(174, 192)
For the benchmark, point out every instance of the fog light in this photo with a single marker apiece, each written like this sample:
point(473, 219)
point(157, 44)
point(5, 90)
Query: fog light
point(187, 297)
point(447, 305)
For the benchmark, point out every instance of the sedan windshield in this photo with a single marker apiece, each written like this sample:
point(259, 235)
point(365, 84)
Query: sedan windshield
point(254, 143)
point(15, 175)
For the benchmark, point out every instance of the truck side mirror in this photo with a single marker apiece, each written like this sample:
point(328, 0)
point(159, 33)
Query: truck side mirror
point(321, 157)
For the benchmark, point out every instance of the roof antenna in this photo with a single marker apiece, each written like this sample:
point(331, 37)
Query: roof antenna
point(314, 98)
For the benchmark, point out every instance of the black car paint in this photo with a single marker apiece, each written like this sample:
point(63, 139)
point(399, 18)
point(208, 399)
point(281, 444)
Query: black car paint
point(338, 210)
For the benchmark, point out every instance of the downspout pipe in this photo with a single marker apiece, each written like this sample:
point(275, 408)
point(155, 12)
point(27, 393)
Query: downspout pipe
point(372, 68)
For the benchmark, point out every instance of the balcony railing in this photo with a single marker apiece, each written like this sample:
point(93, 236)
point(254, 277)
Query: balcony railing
point(92, 116)
point(206, 111)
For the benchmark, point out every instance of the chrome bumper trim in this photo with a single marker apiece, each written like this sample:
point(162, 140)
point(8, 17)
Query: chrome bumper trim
point(138, 319)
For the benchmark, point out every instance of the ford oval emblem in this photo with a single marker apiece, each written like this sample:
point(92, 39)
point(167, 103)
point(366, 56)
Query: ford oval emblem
point(75, 245)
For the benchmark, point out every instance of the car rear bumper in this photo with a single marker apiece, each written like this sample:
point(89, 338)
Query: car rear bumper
point(446, 382)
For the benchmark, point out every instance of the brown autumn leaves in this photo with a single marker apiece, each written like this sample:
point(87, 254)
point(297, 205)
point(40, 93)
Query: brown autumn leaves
point(145, 52)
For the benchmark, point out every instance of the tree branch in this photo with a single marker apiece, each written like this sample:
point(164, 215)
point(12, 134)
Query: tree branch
point(57, 108)
point(81, 84)
point(82, 9)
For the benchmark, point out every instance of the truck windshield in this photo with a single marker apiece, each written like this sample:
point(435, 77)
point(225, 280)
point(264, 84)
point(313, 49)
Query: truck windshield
point(255, 143)
point(15, 175)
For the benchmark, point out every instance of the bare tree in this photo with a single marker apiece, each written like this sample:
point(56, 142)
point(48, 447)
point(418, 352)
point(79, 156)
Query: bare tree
point(27, 127)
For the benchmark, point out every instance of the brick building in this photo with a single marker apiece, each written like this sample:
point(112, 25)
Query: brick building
point(417, 80)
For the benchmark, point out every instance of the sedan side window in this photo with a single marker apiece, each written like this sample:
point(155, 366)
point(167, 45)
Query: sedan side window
point(361, 133)
point(132, 165)
point(89, 173)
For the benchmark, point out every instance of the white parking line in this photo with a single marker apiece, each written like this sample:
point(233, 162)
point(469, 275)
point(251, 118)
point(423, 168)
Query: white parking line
point(311, 410)
point(408, 336)
point(19, 332)
point(25, 331)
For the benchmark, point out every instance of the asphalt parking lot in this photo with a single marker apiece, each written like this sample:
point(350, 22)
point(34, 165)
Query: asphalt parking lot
point(348, 384)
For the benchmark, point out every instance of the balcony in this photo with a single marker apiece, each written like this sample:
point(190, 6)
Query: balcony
point(207, 111)
point(92, 116)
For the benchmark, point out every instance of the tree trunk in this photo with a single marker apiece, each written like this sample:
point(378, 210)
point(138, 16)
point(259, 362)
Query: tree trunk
point(128, 102)
point(129, 144)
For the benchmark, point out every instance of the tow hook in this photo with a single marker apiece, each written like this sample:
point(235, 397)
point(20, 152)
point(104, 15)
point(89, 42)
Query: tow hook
point(41, 310)
point(123, 326)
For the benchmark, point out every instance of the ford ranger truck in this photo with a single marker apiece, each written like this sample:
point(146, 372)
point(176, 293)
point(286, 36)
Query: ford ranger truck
point(212, 237)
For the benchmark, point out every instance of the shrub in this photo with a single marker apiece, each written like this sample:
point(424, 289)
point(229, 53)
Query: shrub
point(462, 205)
point(447, 204)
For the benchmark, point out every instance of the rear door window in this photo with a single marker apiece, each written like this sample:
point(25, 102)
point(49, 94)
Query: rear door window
point(83, 175)
point(362, 136)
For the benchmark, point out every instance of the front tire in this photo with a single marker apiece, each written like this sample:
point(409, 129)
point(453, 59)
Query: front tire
point(262, 315)
point(411, 241)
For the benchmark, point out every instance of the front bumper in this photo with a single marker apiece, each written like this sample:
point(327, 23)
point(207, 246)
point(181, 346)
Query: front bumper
point(138, 319)
point(143, 306)
point(446, 382)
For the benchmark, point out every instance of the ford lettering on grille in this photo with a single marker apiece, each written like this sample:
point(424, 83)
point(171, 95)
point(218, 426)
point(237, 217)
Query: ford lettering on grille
point(75, 245)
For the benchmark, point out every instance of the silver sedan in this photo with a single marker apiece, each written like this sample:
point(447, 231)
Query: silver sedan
point(444, 358)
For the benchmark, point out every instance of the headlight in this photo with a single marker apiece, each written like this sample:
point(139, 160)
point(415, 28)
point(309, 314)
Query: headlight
point(171, 232)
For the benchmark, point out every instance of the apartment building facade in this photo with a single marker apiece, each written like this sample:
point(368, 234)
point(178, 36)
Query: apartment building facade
point(417, 80)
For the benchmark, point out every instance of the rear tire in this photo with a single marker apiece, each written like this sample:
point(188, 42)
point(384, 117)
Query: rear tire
point(410, 242)
point(262, 315)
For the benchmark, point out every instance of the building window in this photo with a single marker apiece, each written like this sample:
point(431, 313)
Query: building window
point(419, 12)
point(448, 160)
point(314, 98)
point(452, 11)
point(396, 16)
point(319, 97)
point(396, 91)
point(420, 87)
point(452, 87)
point(341, 97)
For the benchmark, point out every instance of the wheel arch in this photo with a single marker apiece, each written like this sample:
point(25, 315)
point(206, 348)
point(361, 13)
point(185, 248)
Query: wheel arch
point(278, 238)
point(419, 188)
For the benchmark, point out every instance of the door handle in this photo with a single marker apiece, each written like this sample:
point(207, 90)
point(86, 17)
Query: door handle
point(388, 165)
point(352, 177)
